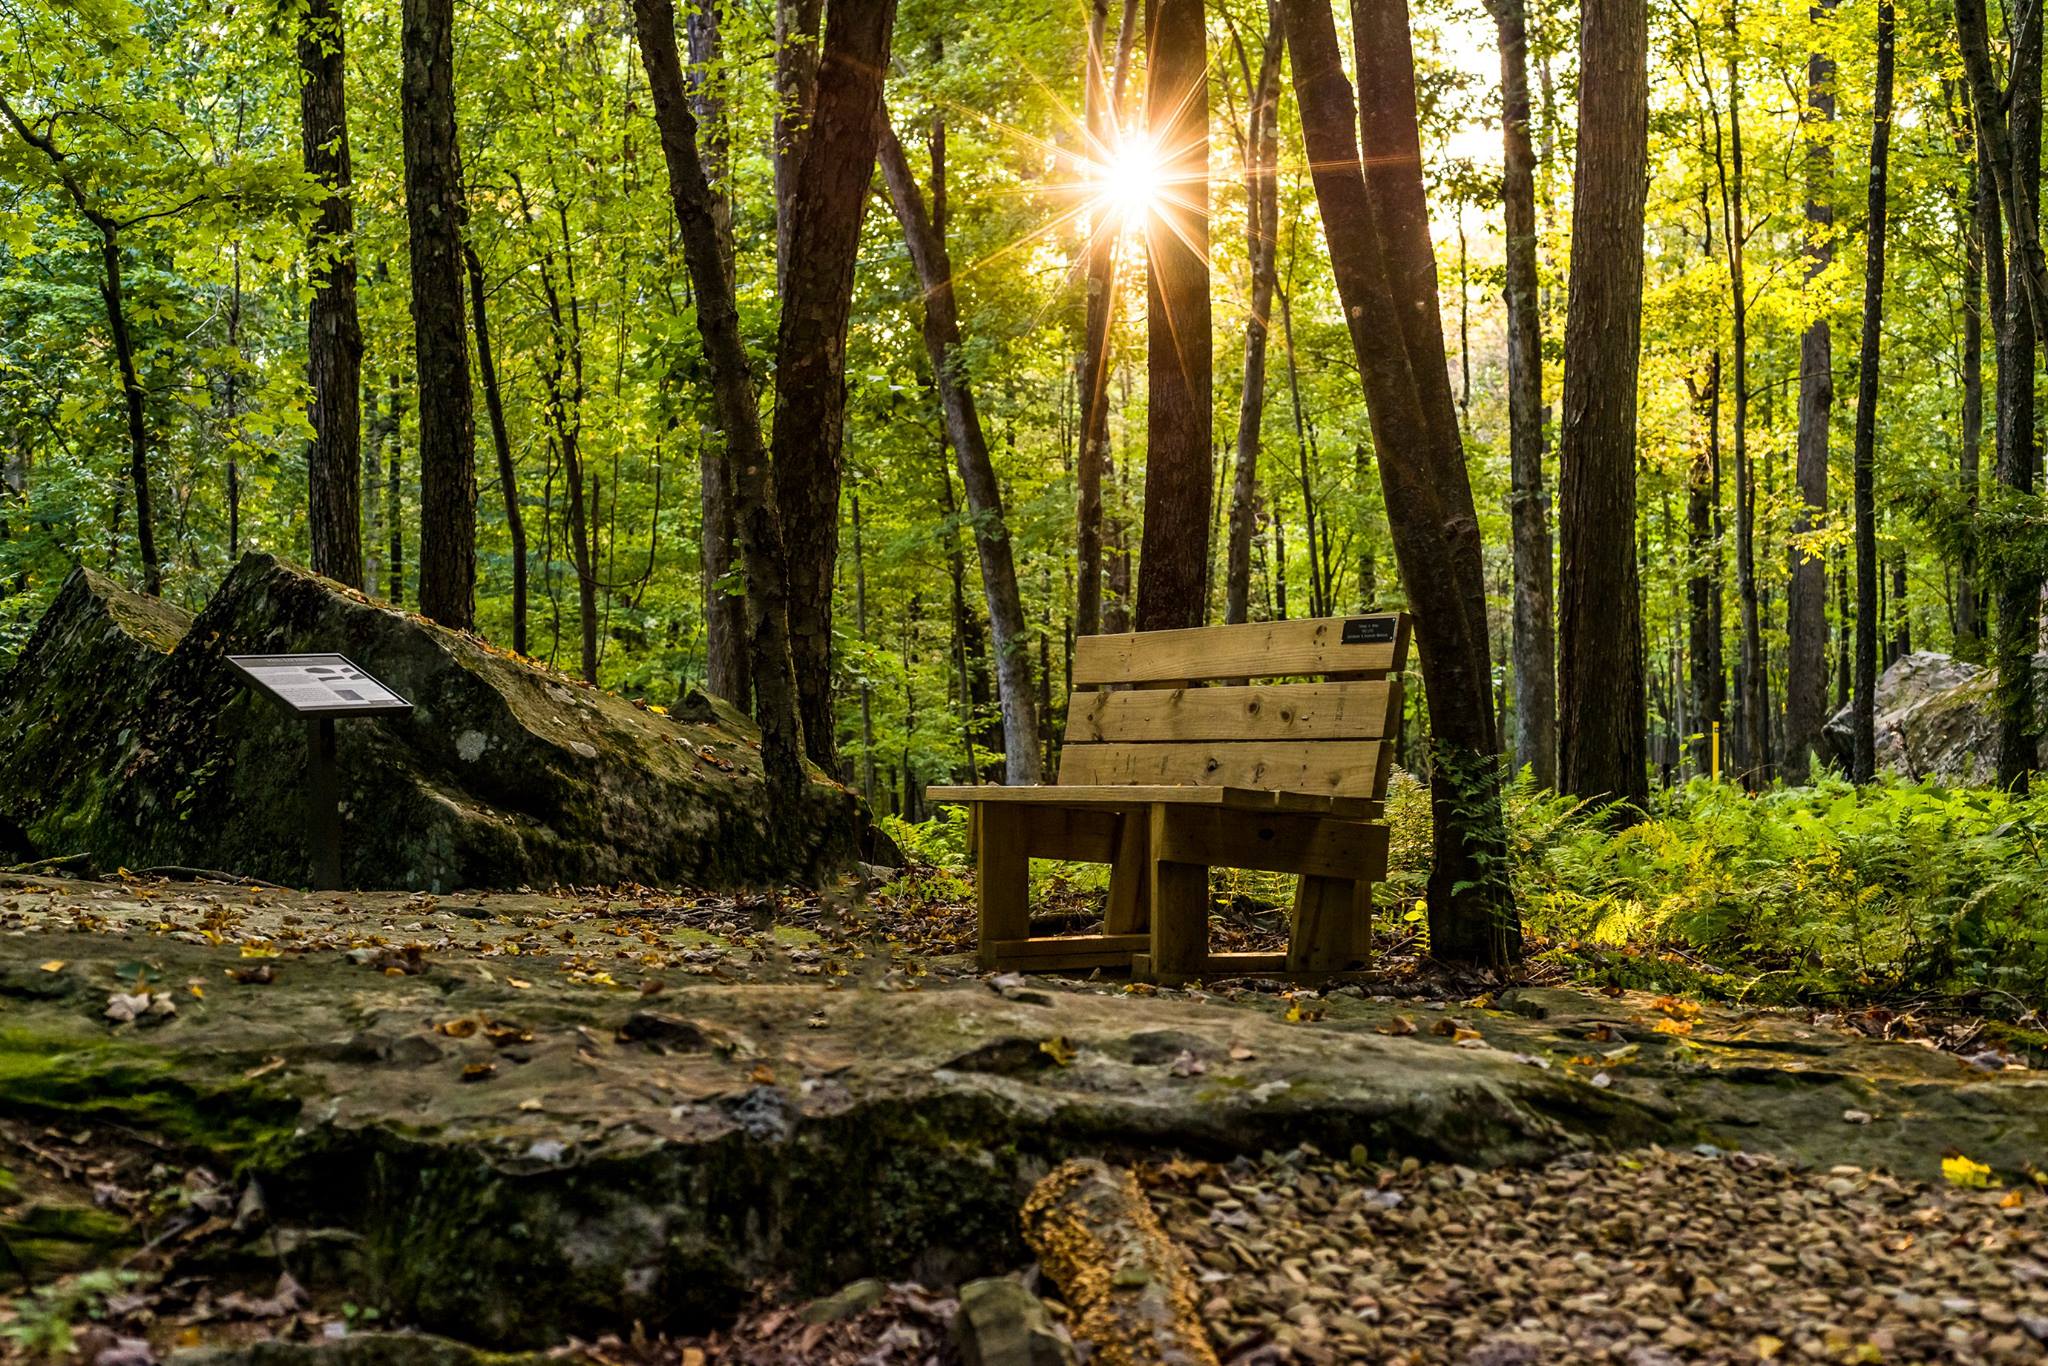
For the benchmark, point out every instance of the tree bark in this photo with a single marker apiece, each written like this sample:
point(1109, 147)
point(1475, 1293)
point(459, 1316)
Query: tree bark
point(796, 86)
point(2008, 162)
point(501, 442)
point(756, 524)
point(1755, 711)
point(725, 614)
point(830, 195)
point(1806, 663)
point(1262, 223)
point(1864, 763)
point(1101, 1243)
point(1377, 226)
point(1703, 617)
point(1602, 745)
point(1173, 567)
point(394, 498)
point(2019, 584)
point(436, 217)
point(1533, 661)
point(1103, 101)
point(334, 338)
point(977, 471)
point(1977, 203)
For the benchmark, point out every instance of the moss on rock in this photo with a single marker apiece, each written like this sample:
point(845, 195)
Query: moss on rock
point(505, 773)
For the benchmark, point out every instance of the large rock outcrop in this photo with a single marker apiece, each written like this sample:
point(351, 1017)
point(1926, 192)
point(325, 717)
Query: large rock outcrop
point(1936, 717)
point(125, 734)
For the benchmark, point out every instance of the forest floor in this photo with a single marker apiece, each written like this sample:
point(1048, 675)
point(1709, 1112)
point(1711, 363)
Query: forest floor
point(233, 1115)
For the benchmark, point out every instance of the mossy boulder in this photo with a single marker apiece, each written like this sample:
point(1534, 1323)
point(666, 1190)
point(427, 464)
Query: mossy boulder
point(143, 748)
point(1936, 717)
point(72, 706)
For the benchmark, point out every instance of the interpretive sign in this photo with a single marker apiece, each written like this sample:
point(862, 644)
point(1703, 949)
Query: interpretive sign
point(320, 688)
point(320, 685)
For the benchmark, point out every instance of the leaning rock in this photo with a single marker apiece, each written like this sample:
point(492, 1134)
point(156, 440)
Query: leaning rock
point(1936, 717)
point(505, 773)
point(71, 708)
point(1002, 1324)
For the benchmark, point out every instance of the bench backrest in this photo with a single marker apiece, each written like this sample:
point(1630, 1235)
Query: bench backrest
point(1186, 707)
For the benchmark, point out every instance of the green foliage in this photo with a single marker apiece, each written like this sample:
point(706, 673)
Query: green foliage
point(1899, 888)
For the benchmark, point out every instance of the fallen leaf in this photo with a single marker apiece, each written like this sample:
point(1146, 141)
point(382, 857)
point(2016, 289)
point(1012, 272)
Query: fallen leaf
point(520, 982)
point(1856, 1116)
point(2012, 1199)
point(1398, 1026)
point(763, 1074)
point(480, 1071)
point(1463, 1035)
point(457, 1029)
point(263, 1069)
point(1674, 1026)
point(261, 975)
point(1297, 1014)
point(530, 1103)
point(1768, 1347)
point(1961, 1171)
point(1059, 1050)
point(54, 965)
point(1239, 1053)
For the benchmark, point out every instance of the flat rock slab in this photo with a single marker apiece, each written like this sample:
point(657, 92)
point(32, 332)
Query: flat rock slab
point(644, 1105)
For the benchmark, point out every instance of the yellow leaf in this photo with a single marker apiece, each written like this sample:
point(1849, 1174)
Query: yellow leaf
point(763, 1074)
point(456, 1029)
point(1461, 1034)
point(54, 965)
point(1674, 1026)
point(530, 1103)
point(1961, 1171)
point(1768, 1347)
point(2011, 1200)
point(519, 982)
point(1059, 1050)
point(259, 951)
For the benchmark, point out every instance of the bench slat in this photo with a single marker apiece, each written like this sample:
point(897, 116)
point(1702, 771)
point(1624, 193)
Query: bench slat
point(1236, 798)
point(1269, 649)
point(1338, 768)
point(1273, 711)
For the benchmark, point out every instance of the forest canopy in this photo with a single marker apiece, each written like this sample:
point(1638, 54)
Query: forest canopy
point(173, 163)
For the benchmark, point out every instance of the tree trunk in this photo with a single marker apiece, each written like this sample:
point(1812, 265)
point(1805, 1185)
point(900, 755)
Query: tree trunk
point(829, 197)
point(436, 216)
point(1533, 652)
point(1975, 205)
point(1262, 204)
point(1602, 745)
point(796, 87)
point(394, 497)
point(334, 339)
point(1704, 622)
point(1377, 225)
point(1103, 112)
point(756, 524)
point(1864, 764)
point(977, 470)
point(1806, 663)
point(2019, 586)
point(1179, 460)
point(725, 615)
point(2010, 167)
point(508, 478)
point(1755, 711)
point(565, 420)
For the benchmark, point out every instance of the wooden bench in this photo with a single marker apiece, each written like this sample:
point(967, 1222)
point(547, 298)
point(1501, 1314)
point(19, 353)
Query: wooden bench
point(1177, 760)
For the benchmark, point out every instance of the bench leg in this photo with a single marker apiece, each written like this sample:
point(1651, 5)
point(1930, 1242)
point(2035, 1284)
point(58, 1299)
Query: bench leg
point(1180, 911)
point(1332, 928)
point(1129, 875)
point(1002, 878)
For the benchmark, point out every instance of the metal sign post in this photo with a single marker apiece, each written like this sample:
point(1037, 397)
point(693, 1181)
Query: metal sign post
point(320, 688)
